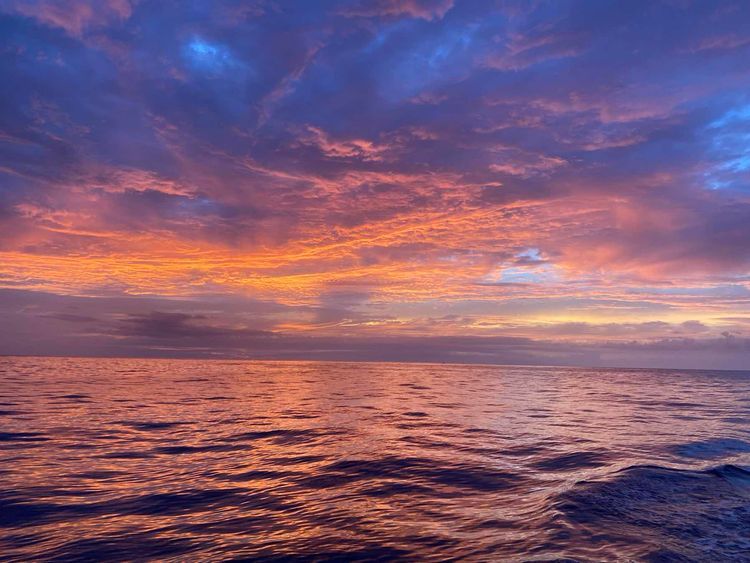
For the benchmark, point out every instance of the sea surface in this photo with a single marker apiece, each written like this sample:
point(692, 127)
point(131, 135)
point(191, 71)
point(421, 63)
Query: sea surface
point(177, 460)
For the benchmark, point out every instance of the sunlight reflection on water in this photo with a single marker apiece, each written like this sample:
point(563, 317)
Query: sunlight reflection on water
point(170, 460)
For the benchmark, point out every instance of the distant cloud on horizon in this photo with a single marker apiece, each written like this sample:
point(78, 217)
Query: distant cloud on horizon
point(47, 324)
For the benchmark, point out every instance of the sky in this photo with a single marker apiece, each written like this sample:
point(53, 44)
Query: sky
point(481, 181)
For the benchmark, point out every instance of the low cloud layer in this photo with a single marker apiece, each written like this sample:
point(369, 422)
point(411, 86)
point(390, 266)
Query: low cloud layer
point(42, 324)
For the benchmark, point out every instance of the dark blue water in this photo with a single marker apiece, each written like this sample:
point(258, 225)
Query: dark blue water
point(195, 460)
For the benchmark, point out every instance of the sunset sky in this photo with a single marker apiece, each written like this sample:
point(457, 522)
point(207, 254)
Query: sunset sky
point(465, 181)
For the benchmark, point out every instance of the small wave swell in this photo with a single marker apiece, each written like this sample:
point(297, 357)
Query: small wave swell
point(652, 512)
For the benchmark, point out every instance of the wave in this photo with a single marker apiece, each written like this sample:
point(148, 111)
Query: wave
point(714, 448)
point(417, 473)
point(654, 512)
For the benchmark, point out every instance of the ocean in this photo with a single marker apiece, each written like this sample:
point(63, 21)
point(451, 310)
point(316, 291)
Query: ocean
point(182, 460)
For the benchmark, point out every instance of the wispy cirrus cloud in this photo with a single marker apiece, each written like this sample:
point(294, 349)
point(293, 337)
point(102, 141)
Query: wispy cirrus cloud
point(75, 16)
point(424, 9)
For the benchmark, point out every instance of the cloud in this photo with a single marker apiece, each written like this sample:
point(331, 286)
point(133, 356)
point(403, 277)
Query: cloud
point(74, 16)
point(520, 50)
point(360, 149)
point(225, 328)
point(528, 166)
point(425, 167)
point(424, 9)
point(169, 326)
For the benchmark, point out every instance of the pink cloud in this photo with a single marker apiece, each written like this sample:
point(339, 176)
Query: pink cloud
point(424, 9)
point(74, 16)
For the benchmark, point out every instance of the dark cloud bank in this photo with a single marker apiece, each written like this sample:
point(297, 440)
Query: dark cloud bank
point(45, 324)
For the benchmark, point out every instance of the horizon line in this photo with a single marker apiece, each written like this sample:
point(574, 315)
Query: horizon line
point(366, 361)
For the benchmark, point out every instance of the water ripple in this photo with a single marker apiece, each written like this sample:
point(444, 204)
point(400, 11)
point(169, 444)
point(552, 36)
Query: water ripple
point(284, 461)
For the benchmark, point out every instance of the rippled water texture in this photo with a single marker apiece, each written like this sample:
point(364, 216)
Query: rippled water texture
point(191, 460)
